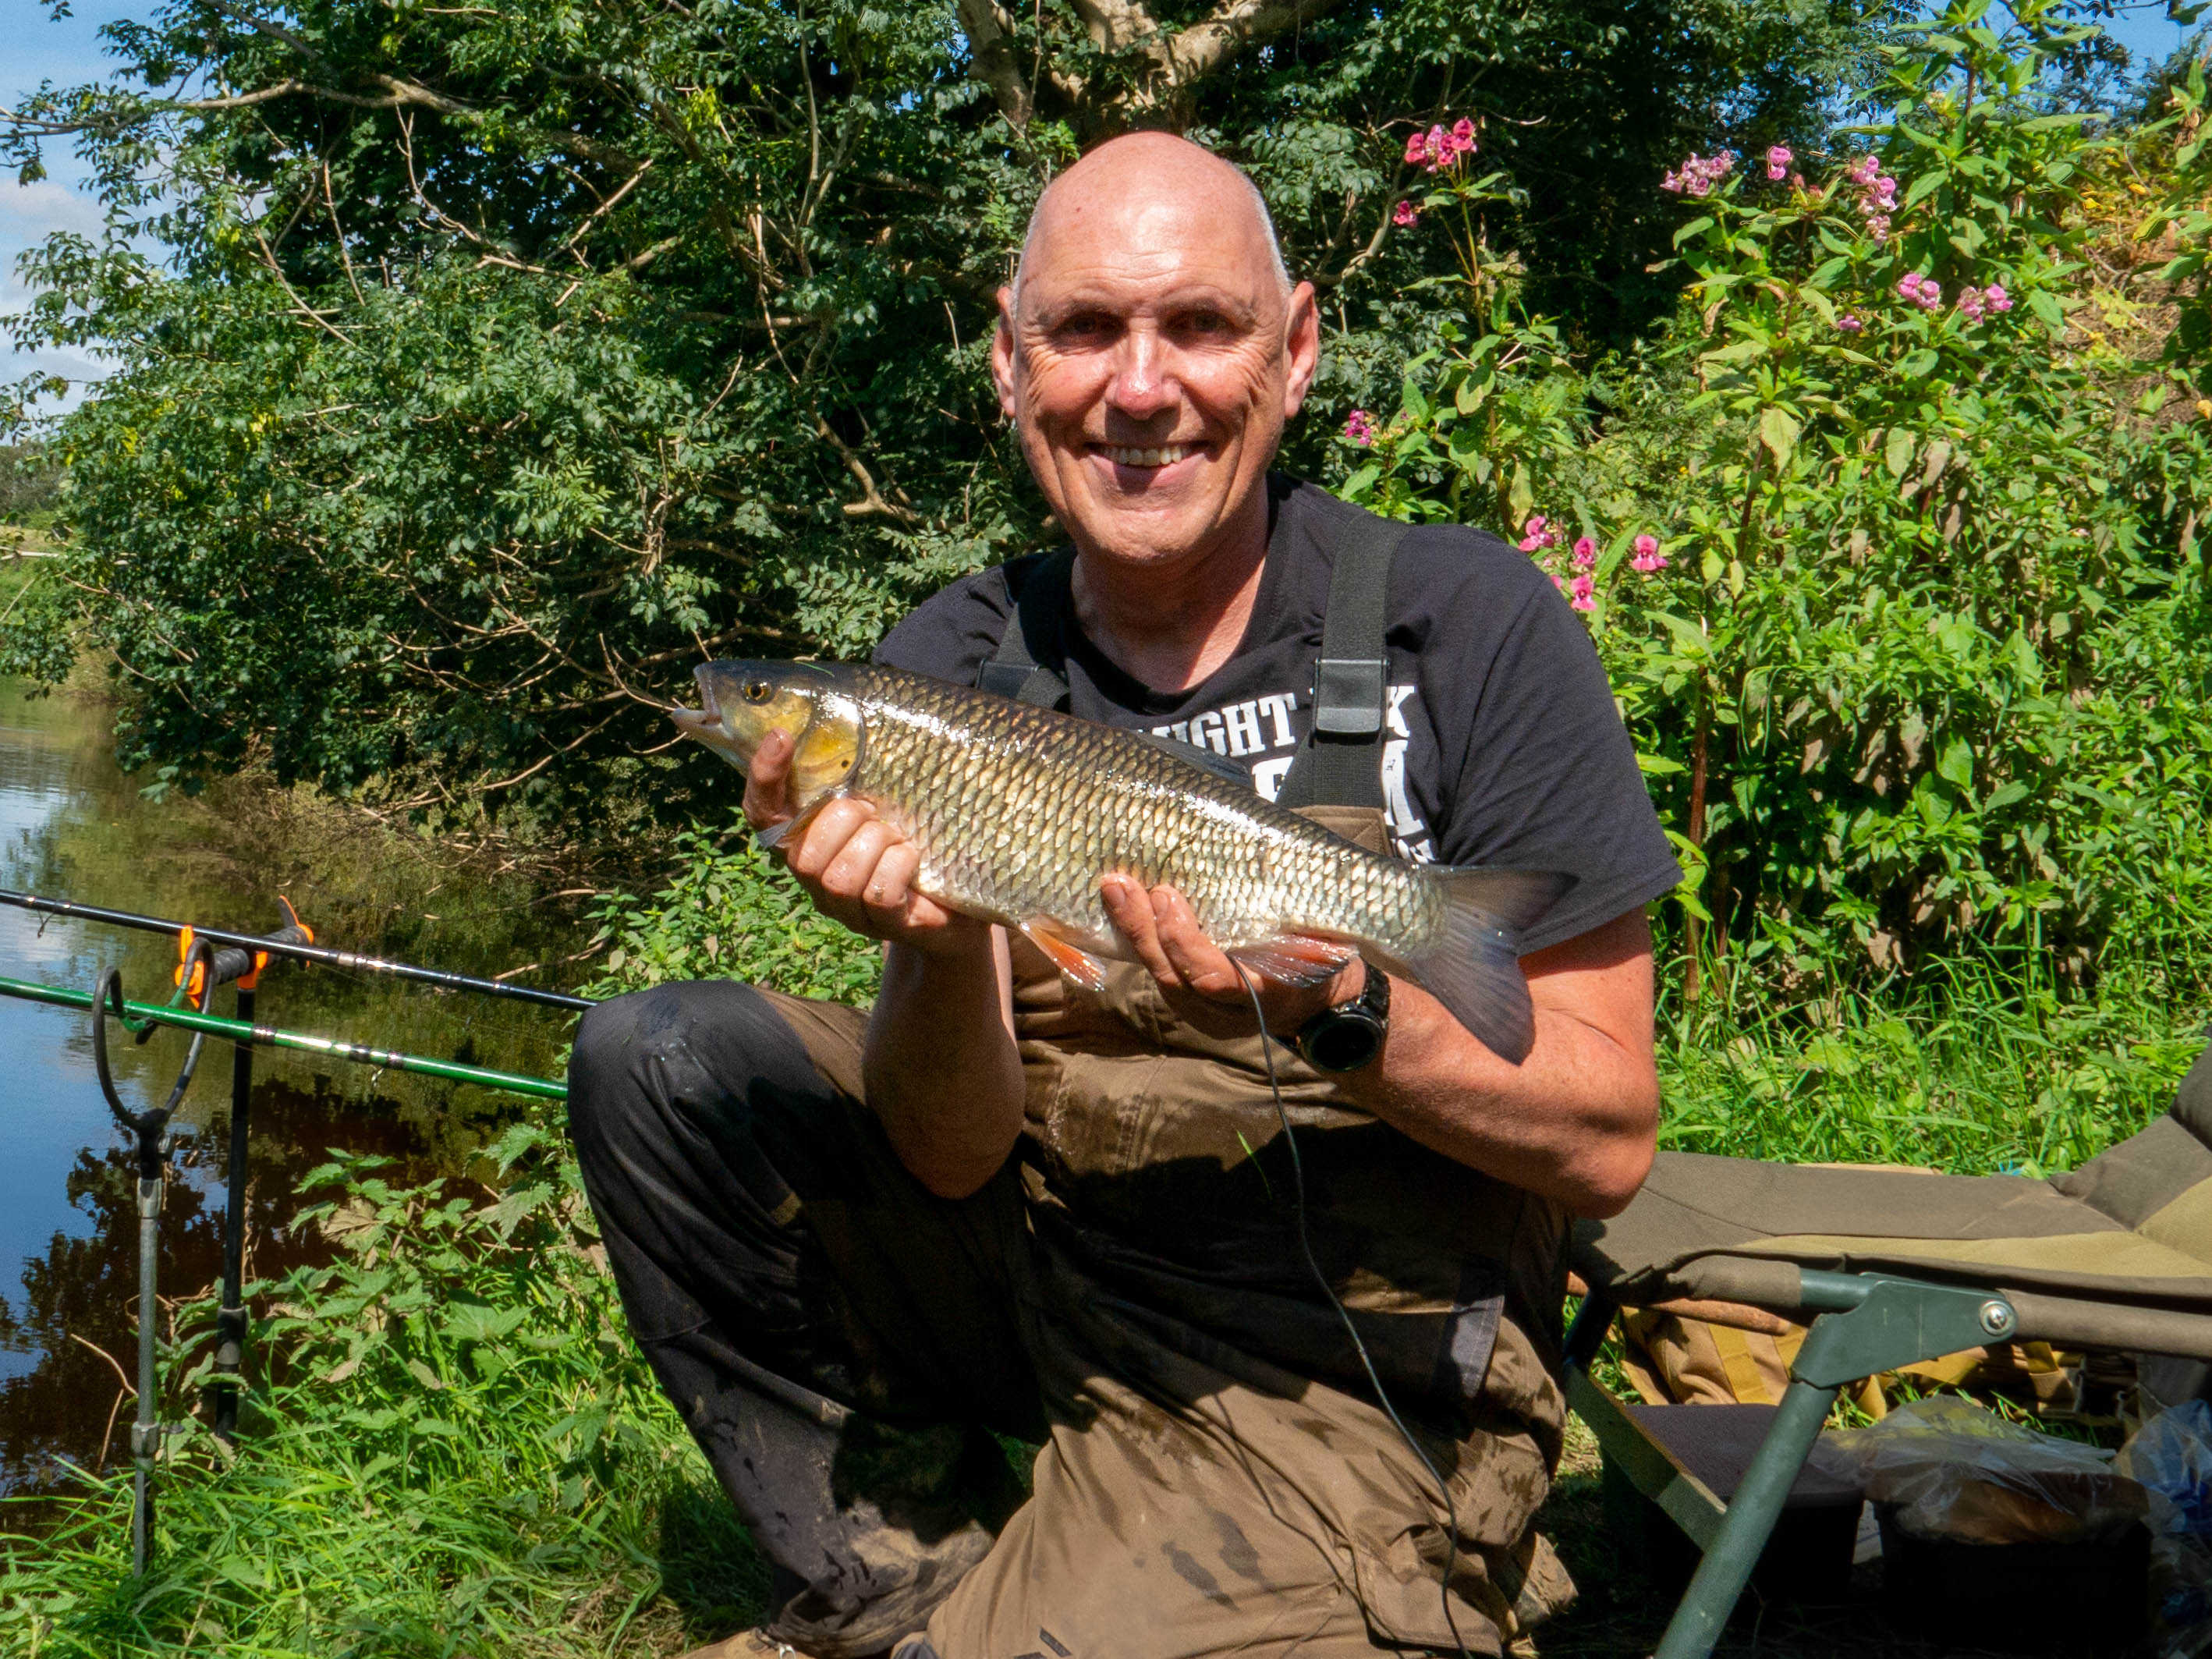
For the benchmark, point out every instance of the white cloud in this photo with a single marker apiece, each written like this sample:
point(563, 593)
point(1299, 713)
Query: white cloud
point(30, 213)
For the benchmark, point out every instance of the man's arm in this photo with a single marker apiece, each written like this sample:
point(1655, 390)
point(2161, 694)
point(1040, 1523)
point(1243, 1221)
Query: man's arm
point(1574, 1121)
point(940, 1065)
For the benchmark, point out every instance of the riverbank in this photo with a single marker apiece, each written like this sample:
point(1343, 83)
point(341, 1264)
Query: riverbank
point(455, 1448)
point(72, 826)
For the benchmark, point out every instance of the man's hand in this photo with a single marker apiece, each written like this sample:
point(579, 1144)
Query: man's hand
point(1163, 931)
point(857, 869)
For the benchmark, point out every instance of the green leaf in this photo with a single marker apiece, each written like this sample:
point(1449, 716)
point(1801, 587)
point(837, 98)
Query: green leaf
point(1897, 450)
point(1777, 430)
point(1955, 764)
point(1918, 363)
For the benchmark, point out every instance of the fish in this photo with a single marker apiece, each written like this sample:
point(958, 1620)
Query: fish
point(1018, 813)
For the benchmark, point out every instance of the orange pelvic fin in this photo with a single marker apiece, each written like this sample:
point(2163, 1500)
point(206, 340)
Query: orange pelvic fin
point(1297, 959)
point(1072, 959)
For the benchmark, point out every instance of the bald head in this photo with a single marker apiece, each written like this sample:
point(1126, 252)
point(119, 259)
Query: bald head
point(1147, 169)
point(1149, 356)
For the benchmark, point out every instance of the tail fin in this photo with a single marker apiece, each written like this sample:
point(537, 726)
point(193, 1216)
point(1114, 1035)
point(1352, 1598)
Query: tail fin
point(1473, 964)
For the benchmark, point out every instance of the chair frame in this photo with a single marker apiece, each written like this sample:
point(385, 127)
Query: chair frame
point(1867, 1322)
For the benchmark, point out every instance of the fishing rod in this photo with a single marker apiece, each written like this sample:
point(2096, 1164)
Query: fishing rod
point(280, 945)
point(242, 1031)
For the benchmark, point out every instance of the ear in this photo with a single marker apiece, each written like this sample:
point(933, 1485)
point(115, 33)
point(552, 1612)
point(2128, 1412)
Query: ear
point(1302, 346)
point(1002, 354)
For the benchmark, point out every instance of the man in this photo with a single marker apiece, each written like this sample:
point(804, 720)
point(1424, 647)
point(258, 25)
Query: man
point(854, 1253)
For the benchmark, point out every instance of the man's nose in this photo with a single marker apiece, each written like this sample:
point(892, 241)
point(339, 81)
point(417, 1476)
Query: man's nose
point(1145, 382)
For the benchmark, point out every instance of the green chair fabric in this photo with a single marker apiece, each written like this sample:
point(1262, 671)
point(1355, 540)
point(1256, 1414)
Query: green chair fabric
point(2116, 1254)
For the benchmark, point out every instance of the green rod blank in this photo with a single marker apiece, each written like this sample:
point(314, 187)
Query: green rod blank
point(269, 1036)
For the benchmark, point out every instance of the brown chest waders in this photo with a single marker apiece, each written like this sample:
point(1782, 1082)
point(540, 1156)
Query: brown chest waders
point(1231, 1406)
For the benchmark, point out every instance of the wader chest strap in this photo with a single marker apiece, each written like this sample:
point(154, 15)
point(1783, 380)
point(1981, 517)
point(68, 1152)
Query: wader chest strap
point(1340, 762)
point(1014, 671)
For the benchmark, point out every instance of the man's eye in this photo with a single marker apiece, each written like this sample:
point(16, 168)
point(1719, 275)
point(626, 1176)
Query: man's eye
point(1084, 325)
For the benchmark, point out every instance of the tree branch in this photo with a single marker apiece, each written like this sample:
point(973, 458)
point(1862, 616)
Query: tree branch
point(991, 53)
point(1197, 51)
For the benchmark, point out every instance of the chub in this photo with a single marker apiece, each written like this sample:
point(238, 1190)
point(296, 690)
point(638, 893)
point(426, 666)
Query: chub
point(1018, 812)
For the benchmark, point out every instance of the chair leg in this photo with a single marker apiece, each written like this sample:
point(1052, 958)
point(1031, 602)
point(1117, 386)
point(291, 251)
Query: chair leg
point(1751, 1513)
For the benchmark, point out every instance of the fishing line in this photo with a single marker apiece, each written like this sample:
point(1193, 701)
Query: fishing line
point(1366, 1361)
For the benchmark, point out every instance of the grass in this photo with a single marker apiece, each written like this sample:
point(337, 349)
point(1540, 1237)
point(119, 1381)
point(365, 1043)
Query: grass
point(460, 1452)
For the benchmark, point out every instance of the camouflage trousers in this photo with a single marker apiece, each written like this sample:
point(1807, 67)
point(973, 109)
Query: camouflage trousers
point(855, 1355)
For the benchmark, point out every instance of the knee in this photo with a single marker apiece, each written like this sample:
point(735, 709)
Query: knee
point(671, 1052)
point(612, 1061)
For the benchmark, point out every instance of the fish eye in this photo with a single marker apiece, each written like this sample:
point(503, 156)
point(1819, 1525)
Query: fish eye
point(758, 690)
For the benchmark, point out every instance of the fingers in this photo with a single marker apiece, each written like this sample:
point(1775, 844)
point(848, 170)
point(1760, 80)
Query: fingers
point(1129, 907)
point(890, 887)
point(767, 800)
point(1197, 960)
point(823, 843)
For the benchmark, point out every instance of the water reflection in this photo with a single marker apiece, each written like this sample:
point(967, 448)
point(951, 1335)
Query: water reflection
point(72, 827)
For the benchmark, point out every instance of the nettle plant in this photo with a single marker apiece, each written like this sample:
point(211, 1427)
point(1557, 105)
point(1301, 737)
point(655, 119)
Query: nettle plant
point(1891, 558)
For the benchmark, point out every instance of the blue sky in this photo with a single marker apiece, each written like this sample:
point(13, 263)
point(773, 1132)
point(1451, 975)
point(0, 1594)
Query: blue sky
point(67, 53)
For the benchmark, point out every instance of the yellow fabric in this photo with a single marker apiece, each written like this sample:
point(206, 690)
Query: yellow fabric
point(2185, 1225)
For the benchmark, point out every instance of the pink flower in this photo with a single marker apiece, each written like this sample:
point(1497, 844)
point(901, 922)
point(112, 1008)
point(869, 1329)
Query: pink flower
point(1585, 552)
point(1997, 298)
point(1560, 582)
point(1700, 175)
point(1537, 535)
point(1417, 147)
point(1863, 171)
point(1360, 427)
point(1878, 226)
point(1648, 557)
point(1404, 214)
point(1585, 593)
point(1847, 324)
point(1778, 159)
point(1970, 304)
point(1462, 135)
point(1923, 291)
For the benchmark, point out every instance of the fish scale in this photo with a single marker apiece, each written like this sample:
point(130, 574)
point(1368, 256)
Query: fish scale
point(1095, 799)
point(1018, 812)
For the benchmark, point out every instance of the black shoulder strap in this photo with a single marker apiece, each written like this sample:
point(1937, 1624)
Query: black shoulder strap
point(1340, 764)
point(1014, 671)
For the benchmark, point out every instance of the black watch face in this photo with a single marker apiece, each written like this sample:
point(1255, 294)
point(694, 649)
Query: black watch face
point(1345, 1043)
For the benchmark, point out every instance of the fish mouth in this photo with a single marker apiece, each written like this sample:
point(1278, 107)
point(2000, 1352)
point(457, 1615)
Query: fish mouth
point(704, 722)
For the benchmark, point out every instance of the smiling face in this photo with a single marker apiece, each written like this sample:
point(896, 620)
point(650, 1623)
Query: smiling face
point(1155, 352)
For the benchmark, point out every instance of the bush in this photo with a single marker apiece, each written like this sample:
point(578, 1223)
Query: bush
point(1890, 548)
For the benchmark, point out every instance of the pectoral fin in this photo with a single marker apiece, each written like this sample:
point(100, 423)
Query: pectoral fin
point(1072, 959)
point(1296, 958)
point(777, 834)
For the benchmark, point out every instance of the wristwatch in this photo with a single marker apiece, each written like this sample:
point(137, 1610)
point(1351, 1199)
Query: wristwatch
point(1349, 1036)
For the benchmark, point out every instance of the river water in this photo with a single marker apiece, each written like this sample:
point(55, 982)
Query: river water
point(72, 826)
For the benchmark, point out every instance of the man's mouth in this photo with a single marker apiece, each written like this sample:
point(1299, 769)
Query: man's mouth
point(1134, 455)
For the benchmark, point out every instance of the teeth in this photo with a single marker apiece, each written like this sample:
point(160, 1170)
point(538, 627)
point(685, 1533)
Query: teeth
point(1166, 455)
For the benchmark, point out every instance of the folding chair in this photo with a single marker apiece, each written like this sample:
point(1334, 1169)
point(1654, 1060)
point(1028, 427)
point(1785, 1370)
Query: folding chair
point(1890, 1268)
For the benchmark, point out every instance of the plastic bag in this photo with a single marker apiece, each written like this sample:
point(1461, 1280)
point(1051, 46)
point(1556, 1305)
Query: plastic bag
point(1955, 1471)
point(2172, 1456)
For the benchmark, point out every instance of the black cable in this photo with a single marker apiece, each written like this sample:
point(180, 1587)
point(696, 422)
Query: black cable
point(1366, 1361)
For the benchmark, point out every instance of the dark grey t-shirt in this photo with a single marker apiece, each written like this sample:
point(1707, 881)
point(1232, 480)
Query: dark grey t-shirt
point(1502, 744)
